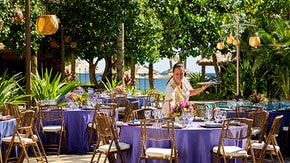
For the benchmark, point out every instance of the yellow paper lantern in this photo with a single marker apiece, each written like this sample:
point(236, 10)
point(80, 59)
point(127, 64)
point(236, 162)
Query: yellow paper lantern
point(47, 24)
point(220, 45)
point(254, 41)
point(236, 42)
point(230, 39)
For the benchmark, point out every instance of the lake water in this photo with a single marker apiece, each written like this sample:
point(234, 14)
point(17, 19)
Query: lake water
point(142, 83)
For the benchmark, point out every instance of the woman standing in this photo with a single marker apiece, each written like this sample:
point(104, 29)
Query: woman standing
point(178, 89)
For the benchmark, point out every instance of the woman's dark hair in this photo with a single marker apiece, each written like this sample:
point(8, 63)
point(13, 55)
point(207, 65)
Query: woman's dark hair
point(177, 65)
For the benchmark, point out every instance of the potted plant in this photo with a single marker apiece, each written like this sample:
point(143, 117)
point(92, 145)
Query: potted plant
point(11, 90)
point(48, 87)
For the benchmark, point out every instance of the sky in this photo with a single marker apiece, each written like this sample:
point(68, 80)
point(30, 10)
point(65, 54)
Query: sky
point(163, 65)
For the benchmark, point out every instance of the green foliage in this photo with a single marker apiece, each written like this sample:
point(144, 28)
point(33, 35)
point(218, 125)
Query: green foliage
point(47, 86)
point(10, 90)
point(111, 85)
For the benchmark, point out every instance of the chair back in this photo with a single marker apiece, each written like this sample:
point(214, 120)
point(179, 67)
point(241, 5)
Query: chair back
point(271, 142)
point(200, 110)
point(108, 141)
point(241, 110)
point(152, 137)
point(24, 124)
point(260, 123)
point(130, 114)
point(109, 108)
point(152, 99)
point(235, 131)
point(106, 127)
point(12, 109)
point(51, 114)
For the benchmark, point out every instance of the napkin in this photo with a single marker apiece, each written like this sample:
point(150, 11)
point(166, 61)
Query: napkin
point(134, 121)
point(198, 118)
point(177, 125)
point(210, 124)
point(234, 123)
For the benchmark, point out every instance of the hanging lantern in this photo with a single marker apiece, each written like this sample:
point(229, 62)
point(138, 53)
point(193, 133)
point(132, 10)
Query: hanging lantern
point(230, 38)
point(254, 41)
point(236, 42)
point(47, 24)
point(220, 45)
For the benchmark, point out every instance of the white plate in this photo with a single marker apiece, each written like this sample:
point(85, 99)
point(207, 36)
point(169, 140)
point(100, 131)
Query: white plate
point(204, 83)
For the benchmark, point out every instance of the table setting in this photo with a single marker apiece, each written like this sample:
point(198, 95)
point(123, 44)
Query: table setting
point(194, 140)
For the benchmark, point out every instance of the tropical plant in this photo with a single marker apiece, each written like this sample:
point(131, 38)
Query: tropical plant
point(11, 90)
point(47, 86)
point(111, 85)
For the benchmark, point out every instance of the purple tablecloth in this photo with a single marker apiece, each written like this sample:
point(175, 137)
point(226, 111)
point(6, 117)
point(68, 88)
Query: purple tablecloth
point(7, 128)
point(194, 144)
point(141, 100)
point(76, 122)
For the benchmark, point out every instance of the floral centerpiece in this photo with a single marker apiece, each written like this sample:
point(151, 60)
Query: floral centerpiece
point(78, 98)
point(119, 89)
point(183, 106)
point(258, 98)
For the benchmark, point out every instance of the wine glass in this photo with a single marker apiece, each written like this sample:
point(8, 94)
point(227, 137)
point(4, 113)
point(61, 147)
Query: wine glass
point(191, 117)
point(209, 114)
point(147, 114)
point(217, 115)
point(185, 117)
point(224, 115)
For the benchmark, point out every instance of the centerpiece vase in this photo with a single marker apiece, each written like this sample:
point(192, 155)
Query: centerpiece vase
point(178, 119)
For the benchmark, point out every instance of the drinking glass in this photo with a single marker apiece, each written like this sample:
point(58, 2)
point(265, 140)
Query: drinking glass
point(191, 117)
point(217, 115)
point(147, 114)
point(209, 114)
point(224, 115)
point(99, 101)
point(185, 117)
point(241, 102)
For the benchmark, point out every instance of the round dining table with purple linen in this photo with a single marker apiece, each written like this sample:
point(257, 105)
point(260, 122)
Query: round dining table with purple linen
point(76, 122)
point(7, 128)
point(194, 144)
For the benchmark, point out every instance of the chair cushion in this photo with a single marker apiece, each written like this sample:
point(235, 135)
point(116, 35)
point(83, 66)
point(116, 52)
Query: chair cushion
point(34, 136)
point(256, 131)
point(269, 147)
point(158, 152)
point(231, 151)
point(105, 148)
point(91, 124)
point(16, 140)
point(119, 123)
point(54, 128)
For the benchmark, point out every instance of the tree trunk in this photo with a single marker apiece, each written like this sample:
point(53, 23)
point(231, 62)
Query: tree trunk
point(73, 64)
point(215, 64)
point(108, 70)
point(202, 67)
point(34, 63)
point(92, 72)
point(151, 80)
point(120, 53)
point(132, 67)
